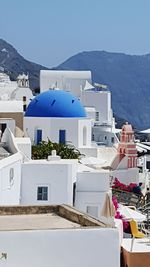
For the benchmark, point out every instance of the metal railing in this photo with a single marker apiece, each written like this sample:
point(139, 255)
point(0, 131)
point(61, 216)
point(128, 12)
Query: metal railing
point(128, 198)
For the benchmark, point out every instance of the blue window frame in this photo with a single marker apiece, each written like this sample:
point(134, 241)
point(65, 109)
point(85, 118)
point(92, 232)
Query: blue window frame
point(38, 136)
point(62, 136)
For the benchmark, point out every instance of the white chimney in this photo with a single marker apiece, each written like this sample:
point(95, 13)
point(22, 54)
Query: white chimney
point(53, 156)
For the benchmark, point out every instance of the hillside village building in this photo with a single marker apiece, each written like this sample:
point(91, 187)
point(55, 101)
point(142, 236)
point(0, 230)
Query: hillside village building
point(15, 90)
point(35, 228)
point(89, 126)
point(54, 181)
point(60, 116)
point(11, 109)
point(14, 98)
point(96, 100)
point(73, 81)
point(6, 86)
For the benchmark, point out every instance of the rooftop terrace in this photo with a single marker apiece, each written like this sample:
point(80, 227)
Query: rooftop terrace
point(44, 217)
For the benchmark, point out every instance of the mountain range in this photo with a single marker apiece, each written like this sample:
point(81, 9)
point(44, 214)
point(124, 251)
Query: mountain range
point(14, 64)
point(127, 77)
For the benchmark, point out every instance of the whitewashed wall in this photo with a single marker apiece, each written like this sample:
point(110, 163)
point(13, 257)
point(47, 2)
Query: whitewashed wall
point(24, 145)
point(10, 187)
point(10, 123)
point(91, 190)
point(61, 248)
point(84, 125)
point(72, 81)
point(51, 126)
point(74, 130)
point(101, 101)
point(127, 176)
point(68, 124)
point(7, 88)
point(59, 178)
point(89, 151)
point(19, 93)
point(11, 106)
point(31, 124)
point(10, 172)
point(104, 136)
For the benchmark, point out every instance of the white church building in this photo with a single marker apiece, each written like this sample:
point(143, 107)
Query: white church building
point(59, 116)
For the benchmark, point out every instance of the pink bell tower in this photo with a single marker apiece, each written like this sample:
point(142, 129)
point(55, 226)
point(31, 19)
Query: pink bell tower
point(127, 147)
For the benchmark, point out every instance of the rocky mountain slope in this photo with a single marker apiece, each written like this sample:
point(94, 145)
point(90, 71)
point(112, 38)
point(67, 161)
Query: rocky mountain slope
point(13, 64)
point(128, 78)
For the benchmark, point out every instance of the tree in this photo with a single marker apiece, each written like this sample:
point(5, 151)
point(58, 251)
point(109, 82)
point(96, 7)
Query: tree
point(44, 149)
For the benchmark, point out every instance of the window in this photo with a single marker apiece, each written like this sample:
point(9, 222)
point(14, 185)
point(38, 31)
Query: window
point(74, 193)
point(42, 193)
point(97, 116)
point(3, 127)
point(24, 103)
point(112, 139)
point(62, 136)
point(11, 176)
point(24, 107)
point(38, 136)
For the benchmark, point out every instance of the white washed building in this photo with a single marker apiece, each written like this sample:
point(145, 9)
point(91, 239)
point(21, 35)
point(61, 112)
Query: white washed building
point(15, 90)
point(91, 189)
point(73, 81)
point(59, 116)
point(53, 181)
point(46, 182)
point(96, 100)
point(10, 170)
point(57, 236)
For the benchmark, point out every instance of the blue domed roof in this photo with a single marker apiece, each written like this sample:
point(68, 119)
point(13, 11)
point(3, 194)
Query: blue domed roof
point(55, 103)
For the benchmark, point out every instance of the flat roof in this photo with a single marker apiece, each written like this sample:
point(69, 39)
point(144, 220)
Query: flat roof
point(35, 222)
point(85, 168)
point(17, 218)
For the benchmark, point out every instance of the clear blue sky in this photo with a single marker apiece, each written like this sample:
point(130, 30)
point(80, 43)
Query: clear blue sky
point(50, 31)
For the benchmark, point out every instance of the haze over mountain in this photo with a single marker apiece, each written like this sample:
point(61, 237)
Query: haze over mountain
point(14, 64)
point(128, 78)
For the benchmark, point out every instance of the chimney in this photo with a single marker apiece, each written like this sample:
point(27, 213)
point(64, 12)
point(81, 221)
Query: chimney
point(53, 156)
